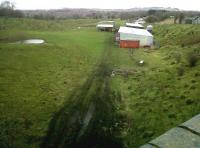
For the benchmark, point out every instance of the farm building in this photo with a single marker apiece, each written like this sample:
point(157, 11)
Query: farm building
point(134, 25)
point(134, 38)
point(140, 21)
point(106, 26)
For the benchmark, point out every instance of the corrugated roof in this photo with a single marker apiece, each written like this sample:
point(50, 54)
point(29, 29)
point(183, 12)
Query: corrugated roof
point(134, 25)
point(136, 31)
point(105, 25)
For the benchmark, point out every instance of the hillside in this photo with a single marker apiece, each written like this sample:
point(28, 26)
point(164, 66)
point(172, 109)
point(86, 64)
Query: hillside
point(77, 13)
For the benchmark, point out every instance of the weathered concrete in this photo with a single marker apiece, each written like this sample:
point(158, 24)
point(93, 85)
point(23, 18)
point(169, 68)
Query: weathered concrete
point(187, 135)
point(193, 124)
point(177, 137)
point(148, 146)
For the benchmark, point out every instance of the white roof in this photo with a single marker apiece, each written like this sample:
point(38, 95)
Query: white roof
point(134, 25)
point(136, 31)
point(105, 25)
point(140, 22)
point(107, 22)
point(150, 26)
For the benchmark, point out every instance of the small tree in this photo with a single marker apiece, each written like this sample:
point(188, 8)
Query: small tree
point(181, 17)
point(7, 5)
point(192, 59)
point(152, 19)
point(175, 19)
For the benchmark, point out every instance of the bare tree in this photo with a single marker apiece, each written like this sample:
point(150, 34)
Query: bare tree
point(7, 5)
point(181, 17)
point(7, 10)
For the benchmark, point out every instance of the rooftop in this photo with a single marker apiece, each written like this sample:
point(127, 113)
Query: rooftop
point(134, 25)
point(136, 31)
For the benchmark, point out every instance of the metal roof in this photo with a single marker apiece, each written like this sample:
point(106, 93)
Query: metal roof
point(106, 22)
point(134, 25)
point(135, 31)
point(105, 25)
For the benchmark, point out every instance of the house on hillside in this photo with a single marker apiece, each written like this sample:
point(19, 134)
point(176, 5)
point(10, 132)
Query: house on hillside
point(106, 26)
point(192, 20)
point(134, 38)
point(135, 25)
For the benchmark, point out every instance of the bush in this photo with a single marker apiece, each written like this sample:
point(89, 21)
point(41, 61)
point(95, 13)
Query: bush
point(189, 101)
point(152, 19)
point(180, 71)
point(192, 59)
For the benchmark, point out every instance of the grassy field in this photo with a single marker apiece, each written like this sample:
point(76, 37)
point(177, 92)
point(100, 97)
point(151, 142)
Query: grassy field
point(47, 89)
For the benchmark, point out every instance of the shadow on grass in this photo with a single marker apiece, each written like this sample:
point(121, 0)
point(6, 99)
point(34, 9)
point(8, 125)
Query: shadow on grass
point(88, 119)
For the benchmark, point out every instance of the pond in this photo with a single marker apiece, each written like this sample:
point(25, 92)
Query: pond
point(32, 41)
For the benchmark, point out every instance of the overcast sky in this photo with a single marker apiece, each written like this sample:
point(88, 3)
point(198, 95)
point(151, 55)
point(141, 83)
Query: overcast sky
point(105, 4)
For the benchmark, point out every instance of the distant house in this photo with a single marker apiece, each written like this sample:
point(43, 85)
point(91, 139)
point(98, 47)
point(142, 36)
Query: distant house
point(140, 21)
point(135, 25)
point(134, 38)
point(106, 26)
point(196, 20)
point(188, 20)
point(192, 20)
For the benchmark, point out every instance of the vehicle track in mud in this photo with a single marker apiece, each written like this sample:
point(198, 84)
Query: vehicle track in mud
point(88, 118)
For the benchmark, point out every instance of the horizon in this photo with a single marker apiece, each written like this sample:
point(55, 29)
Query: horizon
point(104, 4)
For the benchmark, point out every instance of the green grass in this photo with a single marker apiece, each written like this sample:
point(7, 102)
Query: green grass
point(36, 81)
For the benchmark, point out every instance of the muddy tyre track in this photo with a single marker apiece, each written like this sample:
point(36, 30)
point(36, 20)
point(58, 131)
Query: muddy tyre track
point(88, 118)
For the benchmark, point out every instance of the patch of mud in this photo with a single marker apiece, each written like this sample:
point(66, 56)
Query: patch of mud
point(87, 119)
point(123, 72)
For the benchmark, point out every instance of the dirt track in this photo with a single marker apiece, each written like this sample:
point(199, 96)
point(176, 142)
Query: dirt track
point(88, 118)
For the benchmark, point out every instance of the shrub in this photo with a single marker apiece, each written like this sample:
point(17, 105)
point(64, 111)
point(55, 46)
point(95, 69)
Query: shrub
point(180, 71)
point(192, 59)
point(189, 101)
point(152, 19)
point(172, 115)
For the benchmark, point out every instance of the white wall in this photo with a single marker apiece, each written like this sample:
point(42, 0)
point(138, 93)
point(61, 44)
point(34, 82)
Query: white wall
point(144, 40)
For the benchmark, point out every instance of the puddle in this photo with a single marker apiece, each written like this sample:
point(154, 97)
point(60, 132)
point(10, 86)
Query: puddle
point(87, 119)
point(32, 41)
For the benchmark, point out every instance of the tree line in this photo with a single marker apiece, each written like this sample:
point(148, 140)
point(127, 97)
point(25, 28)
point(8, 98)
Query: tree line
point(7, 9)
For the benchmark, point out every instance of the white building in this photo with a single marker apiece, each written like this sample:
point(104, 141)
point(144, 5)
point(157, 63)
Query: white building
point(106, 26)
point(127, 34)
